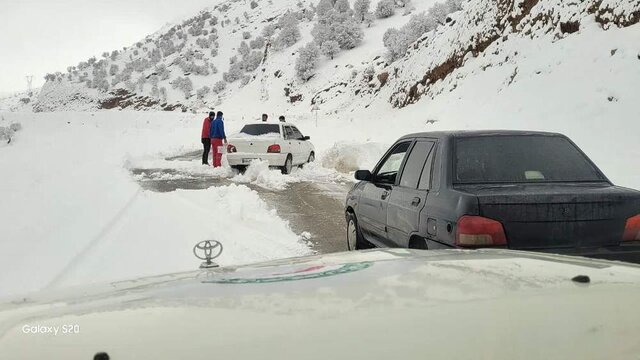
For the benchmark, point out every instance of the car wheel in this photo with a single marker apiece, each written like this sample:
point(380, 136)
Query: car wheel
point(288, 165)
point(355, 241)
point(241, 168)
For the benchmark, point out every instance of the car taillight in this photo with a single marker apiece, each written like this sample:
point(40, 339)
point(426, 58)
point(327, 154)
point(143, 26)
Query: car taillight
point(231, 149)
point(632, 229)
point(275, 148)
point(474, 231)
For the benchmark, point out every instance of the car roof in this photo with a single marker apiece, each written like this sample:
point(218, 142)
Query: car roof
point(406, 303)
point(270, 123)
point(473, 133)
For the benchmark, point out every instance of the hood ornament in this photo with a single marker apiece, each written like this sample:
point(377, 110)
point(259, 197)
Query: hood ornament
point(208, 250)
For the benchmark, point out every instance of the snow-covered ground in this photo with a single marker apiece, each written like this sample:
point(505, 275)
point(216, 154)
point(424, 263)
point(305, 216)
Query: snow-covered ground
point(72, 213)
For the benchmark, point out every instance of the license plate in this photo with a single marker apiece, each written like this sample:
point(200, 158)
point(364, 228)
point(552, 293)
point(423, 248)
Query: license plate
point(248, 161)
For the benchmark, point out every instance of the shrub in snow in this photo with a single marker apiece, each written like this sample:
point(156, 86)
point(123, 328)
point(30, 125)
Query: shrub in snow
point(234, 73)
point(343, 7)
point(309, 14)
point(324, 6)
point(214, 52)
point(183, 84)
point(254, 4)
point(203, 92)
point(244, 50)
point(163, 94)
point(213, 21)
point(245, 80)
point(246, 35)
point(439, 12)
point(361, 9)
point(289, 31)
point(307, 61)
point(385, 9)
point(219, 87)
point(330, 48)
point(253, 61)
point(269, 30)
point(233, 60)
point(257, 43)
point(214, 69)
point(113, 69)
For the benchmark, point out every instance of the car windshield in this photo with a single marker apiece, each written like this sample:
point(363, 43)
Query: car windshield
point(260, 129)
point(520, 159)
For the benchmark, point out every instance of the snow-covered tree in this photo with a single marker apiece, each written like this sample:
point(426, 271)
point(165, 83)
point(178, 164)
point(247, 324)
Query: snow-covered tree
point(343, 7)
point(183, 84)
point(289, 31)
point(439, 12)
point(203, 92)
point(257, 43)
point(307, 61)
point(269, 30)
point(235, 72)
point(113, 70)
point(219, 87)
point(397, 41)
point(163, 94)
point(341, 28)
point(361, 9)
point(253, 61)
point(114, 55)
point(330, 48)
point(385, 9)
point(244, 50)
point(323, 7)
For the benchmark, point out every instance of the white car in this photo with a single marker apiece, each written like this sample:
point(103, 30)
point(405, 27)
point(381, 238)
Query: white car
point(281, 144)
point(382, 304)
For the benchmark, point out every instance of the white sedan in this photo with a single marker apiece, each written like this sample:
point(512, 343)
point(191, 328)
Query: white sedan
point(381, 304)
point(281, 144)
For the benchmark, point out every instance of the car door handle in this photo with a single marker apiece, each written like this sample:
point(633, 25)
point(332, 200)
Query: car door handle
point(385, 194)
point(416, 201)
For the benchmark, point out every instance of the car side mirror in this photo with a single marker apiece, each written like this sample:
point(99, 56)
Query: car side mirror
point(363, 175)
point(306, 138)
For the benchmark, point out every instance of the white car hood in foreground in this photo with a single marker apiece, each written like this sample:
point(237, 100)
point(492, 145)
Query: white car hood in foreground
point(384, 304)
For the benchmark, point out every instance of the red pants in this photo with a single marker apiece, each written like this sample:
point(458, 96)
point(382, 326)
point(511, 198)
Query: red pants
point(217, 155)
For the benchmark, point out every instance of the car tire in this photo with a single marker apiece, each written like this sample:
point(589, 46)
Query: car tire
point(355, 240)
point(241, 168)
point(288, 165)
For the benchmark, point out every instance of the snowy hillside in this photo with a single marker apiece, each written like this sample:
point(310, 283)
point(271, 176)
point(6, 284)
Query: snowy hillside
point(247, 49)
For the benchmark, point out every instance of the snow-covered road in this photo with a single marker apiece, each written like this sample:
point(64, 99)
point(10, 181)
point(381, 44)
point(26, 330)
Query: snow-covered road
point(312, 208)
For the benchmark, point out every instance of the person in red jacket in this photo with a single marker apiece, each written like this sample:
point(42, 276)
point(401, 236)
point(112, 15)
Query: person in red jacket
point(206, 140)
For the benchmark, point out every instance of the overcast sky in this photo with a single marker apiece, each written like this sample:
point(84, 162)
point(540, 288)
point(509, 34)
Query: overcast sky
point(41, 36)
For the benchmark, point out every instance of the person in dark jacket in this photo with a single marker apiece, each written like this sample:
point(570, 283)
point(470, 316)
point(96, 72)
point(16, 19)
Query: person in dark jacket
point(281, 118)
point(206, 140)
point(218, 137)
point(265, 117)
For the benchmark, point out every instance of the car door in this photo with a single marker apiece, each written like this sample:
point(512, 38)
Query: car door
point(287, 146)
point(408, 199)
point(372, 208)
point(299, 146)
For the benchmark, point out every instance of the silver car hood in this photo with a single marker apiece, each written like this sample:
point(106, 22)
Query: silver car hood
point(404, 304)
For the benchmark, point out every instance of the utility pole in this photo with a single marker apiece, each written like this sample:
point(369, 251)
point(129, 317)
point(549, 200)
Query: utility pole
point(29, 82)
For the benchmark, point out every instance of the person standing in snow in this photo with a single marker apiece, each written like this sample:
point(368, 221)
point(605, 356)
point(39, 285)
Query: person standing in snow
point(206, 140)
point(265, 117)
point(281, 118)
point(218, 138)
